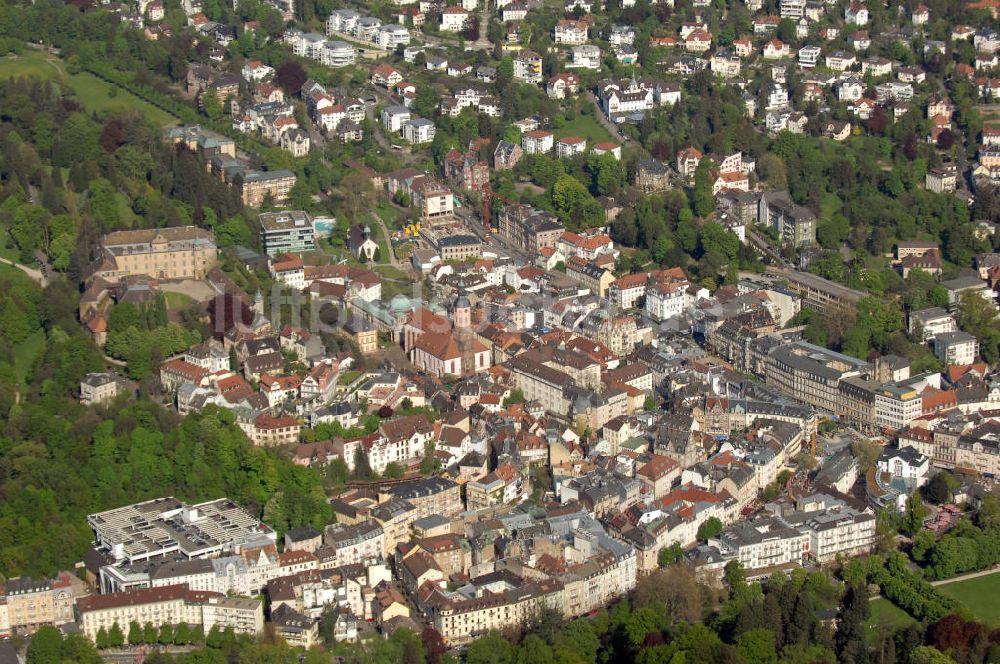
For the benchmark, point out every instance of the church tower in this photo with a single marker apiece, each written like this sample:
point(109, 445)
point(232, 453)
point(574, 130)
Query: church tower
point(462, 309)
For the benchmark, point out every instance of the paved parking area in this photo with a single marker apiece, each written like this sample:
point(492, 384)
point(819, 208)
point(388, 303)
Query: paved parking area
point(199, 290)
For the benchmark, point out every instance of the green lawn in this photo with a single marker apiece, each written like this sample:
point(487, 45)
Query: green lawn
point(9, 252)
point(30, 63)
point(586, 126)
point(26, 351)
point(25, 354)
point(388, 214)
point(381, 240)
point(390, 272)
point(177, 301)
point(92, 92)
point(885, 614)
point(979, 595)
point(348, 377)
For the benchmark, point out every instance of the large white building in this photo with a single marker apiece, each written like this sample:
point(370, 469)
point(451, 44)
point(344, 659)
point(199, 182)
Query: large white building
point(897, 405)
point(793, 9)
point(956, 347)
point(906, 463)
point(931, 322)
point(835, 529)
point(169, 605)
point(585, 56)
point(338, 54)
point(622, 99)
point(166, 526)
point(670, 298)
point(764, 542)
point(528, 66)
point(391, 36)
point(453, 19)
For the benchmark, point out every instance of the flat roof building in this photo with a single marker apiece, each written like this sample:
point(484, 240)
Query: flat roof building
point(286, 231)
point(163, 526)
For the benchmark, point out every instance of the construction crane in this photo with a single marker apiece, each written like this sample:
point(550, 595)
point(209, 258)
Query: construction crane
point(488, 193)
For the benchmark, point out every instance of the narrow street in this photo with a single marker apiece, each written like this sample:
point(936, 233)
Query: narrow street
point(483, 43)
point(762, 245)
point(475, 223)
point(612, 128)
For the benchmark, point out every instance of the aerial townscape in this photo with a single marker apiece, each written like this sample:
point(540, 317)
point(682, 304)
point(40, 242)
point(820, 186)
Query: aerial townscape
point(499, 332)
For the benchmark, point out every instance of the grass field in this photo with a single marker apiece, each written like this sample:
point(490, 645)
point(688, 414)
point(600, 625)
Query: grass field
point(348, 377)
point(586, 126)
point(26, 351)
point(9, 252)
point(390, 272)
point(885, 614)
point(177, 301)
point(92, 92)
point(25, 354)
point(388, 214)
point(979, 595)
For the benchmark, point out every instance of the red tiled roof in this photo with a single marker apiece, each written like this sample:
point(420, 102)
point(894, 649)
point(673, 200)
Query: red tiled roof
point(266, 421)
point(139, 597)
point(184, 369)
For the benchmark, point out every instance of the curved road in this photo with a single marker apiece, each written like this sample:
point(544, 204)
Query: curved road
point(36, 275)
point(406, 154)
point(388, 243)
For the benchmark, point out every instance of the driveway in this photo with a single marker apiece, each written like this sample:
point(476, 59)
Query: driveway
point(198, 290)
point(36, 275)
point(612, 128)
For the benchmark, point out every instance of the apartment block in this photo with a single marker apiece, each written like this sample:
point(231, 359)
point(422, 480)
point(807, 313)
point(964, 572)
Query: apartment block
point(259, 186)
point(288, 231)
point(169, 605)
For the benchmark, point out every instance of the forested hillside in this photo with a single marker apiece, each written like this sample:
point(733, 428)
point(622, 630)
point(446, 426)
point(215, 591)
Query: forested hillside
point(65, 178)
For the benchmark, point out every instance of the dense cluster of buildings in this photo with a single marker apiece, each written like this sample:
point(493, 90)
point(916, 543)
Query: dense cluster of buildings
point(550, 422)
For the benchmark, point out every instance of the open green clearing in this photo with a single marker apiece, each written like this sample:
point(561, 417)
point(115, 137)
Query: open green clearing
point(176, 301)
point(586, 126)
point(381, 240)
point(886, 615)
point(979, 595)
point(25, 354)
point(26, 351)
point(390, 272)
point(92, 92)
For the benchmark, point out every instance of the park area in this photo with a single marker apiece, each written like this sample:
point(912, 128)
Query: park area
point(978, 595)
point(93, 93)
point(981, 595)
point(886, 615)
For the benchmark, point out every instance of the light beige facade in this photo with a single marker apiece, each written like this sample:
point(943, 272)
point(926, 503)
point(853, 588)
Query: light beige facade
point(184, 252)
point(258, 185)
point(460, 622)
point(169, 605)
point(244, 614)
point(29, 604)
